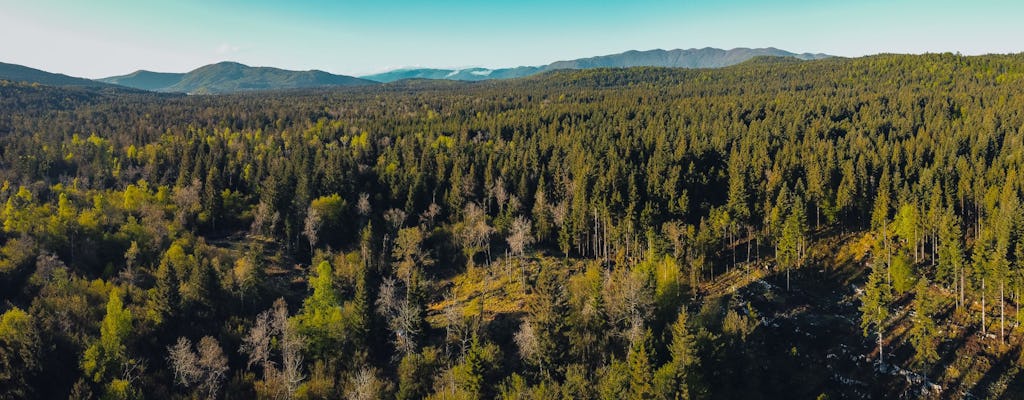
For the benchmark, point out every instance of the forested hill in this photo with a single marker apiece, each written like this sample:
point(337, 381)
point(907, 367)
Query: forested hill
point(20, 73)
point(146, 80)
point(678, 58)
point(232, 77)
point(846, 228)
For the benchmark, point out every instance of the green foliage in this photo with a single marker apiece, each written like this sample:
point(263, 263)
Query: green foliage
point(547, 308)
point(874, 306)
point(792, 243)
point(330, 207)
point(19, 353)
point(902, 273)
point(923, 331)
point(320, 320)
point(906, 223)
point(119, 389)
point(638, 360)
point(614, 381)
point(950, 261)
point(667, 286)
point(676, 377)
point(472, 375)
point(738, 325)
point(415, 372)
point(178, 198)
point(16, 256)
point(105, 357)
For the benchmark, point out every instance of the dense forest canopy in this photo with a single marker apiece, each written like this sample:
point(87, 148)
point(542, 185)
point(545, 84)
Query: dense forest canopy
point(577, 234)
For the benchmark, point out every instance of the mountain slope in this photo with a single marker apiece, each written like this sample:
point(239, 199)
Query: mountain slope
point(678, 58)
point(20, 73)
point(689, 58)
point(146, 80)
point(231, 77)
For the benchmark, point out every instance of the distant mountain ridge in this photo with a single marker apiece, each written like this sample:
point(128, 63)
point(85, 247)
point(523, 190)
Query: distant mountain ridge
point(20, 73)
point(146, 80)
point(679, 58)
point(231, 77)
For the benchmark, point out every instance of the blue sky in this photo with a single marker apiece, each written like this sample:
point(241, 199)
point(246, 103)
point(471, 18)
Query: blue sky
point(97, 38)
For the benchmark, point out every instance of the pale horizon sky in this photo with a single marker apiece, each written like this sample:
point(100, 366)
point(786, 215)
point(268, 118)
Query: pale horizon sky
point(100, 38)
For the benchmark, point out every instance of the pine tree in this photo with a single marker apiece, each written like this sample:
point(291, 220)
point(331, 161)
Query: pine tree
point(638, 358)
point(923, 330)
point(875, 305)
point(547, 309)
point(320, 318)
point(950, 267)
point(792, 244)
point(542, 224)
point(678, 375)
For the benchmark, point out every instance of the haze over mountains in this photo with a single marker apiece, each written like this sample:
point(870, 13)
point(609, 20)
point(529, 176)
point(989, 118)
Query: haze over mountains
point(232, 77)
point(689, 58)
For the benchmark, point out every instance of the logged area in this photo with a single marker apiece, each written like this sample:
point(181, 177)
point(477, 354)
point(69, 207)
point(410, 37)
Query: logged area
point(826, 229)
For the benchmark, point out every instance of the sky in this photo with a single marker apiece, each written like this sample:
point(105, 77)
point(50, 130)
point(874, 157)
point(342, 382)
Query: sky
point(100, 38)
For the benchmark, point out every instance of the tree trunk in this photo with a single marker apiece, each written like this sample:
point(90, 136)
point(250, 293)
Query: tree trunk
point(915, 245)
point(881, 355)
point(750, 240)
point(963, 273)
point(983, 330)
point(935, 246)
point(888, 257)
point(1002, 313)
point(956, 289)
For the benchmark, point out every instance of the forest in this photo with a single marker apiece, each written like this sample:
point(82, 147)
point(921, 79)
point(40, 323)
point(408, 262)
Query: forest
point(837, 228)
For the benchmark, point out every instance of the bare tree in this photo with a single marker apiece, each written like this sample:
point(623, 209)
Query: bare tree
point(263, 220)
point(291, 360)
point(153, 220)
point(205, 371)
point(365, 386)
point(184, 362)
point(273, 325)
point(311, 227)
point(256, 343)
point(527, 341)
point(429, 215)
point(395, 217)
point(363, 204)
point(457, 329)
point(188, 202)
point(629, 298)
point(520, 236)
point(46, 265)
point(559, 212)
point(500, 194)
point(474, 232)
point(214, 365)
point(402, 315)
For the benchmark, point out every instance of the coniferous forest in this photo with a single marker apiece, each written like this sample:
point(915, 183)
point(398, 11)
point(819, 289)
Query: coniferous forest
point(838, 228)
